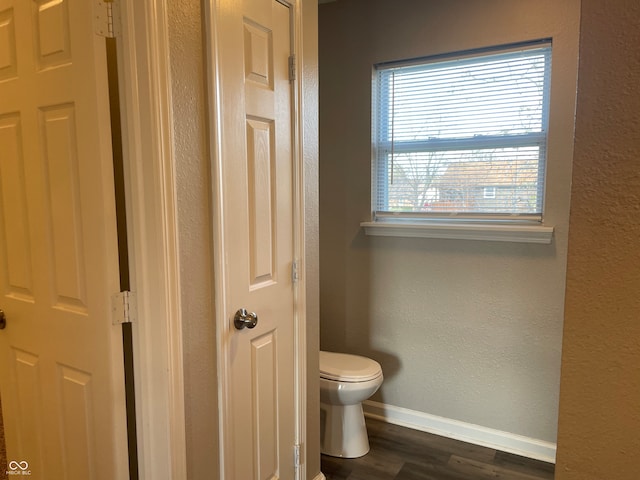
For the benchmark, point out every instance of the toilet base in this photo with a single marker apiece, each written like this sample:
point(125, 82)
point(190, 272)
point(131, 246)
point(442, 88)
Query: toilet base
point(343, 432)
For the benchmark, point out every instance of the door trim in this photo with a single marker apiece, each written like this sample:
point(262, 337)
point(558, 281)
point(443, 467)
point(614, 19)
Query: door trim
point(220, 305)
point(152, 226)
point(299, 205)
point(223, 328)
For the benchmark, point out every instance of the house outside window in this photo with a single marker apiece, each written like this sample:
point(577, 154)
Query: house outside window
point(462, 136)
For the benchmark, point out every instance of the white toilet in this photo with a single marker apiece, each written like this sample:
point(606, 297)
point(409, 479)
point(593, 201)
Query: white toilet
point(345, 382)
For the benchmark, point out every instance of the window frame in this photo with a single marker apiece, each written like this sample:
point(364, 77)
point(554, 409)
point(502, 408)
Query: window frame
point(438, 220)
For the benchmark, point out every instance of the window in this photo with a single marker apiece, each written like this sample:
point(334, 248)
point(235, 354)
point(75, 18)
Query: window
point(463, 135)
point(489, 192)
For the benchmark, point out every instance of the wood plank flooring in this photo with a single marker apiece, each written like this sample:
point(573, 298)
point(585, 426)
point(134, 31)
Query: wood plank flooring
point(399, 453)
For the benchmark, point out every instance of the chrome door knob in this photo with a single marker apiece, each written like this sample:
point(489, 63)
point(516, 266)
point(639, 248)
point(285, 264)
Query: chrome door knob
point(244, 319)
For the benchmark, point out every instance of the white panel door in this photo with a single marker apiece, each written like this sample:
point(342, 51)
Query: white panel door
point(257, 193)
point(61, 367)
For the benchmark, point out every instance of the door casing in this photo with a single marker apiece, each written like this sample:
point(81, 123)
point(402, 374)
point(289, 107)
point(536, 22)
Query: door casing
point(152, 229)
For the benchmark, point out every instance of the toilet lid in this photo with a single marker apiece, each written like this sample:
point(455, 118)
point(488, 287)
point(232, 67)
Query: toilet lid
point(348, 368)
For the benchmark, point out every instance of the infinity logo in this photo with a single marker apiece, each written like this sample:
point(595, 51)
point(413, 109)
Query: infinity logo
point(13, 465)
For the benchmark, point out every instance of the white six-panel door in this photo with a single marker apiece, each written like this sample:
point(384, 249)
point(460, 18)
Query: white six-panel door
point(256, 160)
point(61, 368)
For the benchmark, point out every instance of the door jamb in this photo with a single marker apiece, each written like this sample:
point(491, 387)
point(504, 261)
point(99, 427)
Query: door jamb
point(300, 292)
point(152, 226)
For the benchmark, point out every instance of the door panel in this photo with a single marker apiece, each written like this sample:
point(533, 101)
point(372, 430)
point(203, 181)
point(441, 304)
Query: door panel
point(27, 373)
point(15, 254)
point(257, 167)
point(265, 404)
point(61, 367)
point(261, 170)
point(59, 138)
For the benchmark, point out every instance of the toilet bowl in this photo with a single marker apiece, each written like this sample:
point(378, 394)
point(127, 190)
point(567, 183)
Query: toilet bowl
point(345, 382)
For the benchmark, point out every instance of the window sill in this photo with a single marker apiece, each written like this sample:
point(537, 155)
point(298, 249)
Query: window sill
point(462, 231)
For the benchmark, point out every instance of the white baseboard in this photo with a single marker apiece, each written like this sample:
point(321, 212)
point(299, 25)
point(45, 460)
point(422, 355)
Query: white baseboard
point(466, 432)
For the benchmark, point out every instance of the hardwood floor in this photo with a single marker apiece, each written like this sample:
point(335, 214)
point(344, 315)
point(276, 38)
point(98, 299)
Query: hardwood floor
point(399, 453)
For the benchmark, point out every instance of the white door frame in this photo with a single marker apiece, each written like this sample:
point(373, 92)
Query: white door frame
point(152, 228)
point(220, 296)
point(300, 252)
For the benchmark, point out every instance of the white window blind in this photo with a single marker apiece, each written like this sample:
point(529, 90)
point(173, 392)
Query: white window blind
point(450, 129)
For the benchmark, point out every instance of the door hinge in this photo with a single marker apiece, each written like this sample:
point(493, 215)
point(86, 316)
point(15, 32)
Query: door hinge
point(294, 271)
point(107, 18)
point(292, 67)
point(124, 308)
point(297, 455)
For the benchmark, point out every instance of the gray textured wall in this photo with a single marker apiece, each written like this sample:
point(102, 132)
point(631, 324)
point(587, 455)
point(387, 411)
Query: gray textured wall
point(465, 330)
point(194, 222)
